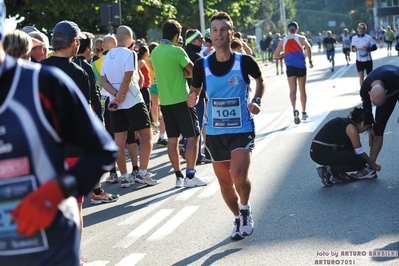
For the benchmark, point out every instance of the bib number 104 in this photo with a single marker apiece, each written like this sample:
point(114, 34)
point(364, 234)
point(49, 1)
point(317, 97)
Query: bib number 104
point(226, 113)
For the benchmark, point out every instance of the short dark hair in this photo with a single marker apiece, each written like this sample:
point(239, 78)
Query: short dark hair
point(85, 43)
point(142, 50)
point(152, 46)
point(235, 43)
point(190, 32)
point(222, 15)
point(238, 35)
point(170, 28)
point(59, 44)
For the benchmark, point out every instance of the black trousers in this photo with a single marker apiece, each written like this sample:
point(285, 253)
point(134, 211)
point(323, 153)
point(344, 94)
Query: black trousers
point(339, 161)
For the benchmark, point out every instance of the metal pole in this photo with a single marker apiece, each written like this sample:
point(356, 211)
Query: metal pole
point(284, 17)
point(109, 19)
point(201, 14)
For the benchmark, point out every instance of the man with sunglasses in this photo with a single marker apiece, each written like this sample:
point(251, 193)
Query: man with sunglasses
point(381, 89)
point(362, 44)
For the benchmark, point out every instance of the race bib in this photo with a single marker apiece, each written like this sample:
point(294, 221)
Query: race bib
point(226, 113)
point(363, 53)
point(12, 190)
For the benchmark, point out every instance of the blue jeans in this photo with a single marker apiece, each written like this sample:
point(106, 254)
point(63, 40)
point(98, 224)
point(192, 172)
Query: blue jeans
point(264, 55)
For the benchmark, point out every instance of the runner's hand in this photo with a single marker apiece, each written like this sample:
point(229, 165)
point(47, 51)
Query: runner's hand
point(113, 106)
point(192, 99)
point(253, 108)
point(38, 210)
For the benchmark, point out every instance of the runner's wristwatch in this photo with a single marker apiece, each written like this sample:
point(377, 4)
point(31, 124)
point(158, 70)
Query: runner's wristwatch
point(257, 101)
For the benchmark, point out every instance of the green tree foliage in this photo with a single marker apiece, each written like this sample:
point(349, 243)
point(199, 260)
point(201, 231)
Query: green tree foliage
point(140, 15)
point(314, 15)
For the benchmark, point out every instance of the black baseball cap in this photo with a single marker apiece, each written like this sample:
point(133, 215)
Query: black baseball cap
point(293, 24)
point(67, 30)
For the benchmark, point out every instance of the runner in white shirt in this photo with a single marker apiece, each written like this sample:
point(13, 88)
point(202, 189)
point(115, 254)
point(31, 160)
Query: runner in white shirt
point(346, 45)
point(362, 44)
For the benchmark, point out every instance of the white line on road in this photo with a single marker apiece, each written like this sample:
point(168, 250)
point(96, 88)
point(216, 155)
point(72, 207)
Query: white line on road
point(187, 193)
point(144, 228)
point(262, 120)
point(131, 260)
point(173, 223)
point(139, 214)
point(340, 72)
point(210, 190)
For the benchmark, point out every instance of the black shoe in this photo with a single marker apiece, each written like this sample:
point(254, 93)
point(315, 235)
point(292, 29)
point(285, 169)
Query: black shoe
point(343, 178)
point(162, 143)
point(296, 117)
point(325, 175)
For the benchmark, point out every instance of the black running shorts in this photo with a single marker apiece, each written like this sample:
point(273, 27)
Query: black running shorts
point(221, 146)
point(180, 119)
point(134, 118)
point(295, 71)
point(361, 66)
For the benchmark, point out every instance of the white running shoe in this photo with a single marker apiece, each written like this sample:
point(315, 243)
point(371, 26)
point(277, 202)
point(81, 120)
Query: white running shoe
point(147, 179)
point(127, 180)
point(194, 182)
point(247, 223)
point(179, 182)
point(236, 234)
point(137, 178)
point(112, 178)
point(365, 173)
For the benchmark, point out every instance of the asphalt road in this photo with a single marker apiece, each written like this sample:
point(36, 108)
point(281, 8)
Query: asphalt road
point(297, 220)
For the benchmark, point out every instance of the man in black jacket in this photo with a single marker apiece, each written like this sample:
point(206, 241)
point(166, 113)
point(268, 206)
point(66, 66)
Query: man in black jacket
point(84, 52)
point(194, 42)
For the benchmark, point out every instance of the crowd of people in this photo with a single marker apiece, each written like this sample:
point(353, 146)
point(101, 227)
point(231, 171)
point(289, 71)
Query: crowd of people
point(76, 111)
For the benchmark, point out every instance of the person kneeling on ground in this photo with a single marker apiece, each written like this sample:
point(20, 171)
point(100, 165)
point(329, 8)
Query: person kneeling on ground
point(338, 149)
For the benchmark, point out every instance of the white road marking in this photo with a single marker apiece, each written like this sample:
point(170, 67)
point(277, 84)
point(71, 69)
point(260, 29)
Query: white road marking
point(173, 223)
point(187, 193)
point(144, 228)
point(210, 190)
point(262, 120)
point(131, 260)
point(139, 214)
